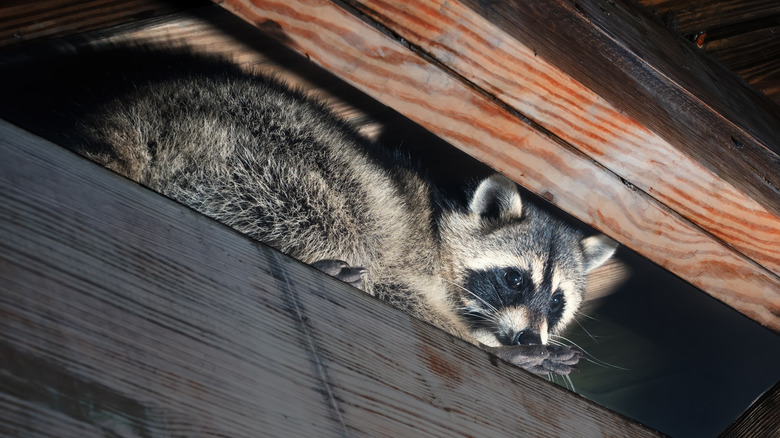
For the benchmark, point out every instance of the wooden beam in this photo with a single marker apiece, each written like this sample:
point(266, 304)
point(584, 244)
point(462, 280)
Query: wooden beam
point(514, 74)
point(659, 79)
point(458, 95)
point(743, 35)
point(691, 16)
point(23, 21)
point(126, 313)
point(762, 418)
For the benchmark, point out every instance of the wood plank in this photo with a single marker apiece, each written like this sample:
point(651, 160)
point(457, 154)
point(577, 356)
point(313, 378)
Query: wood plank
point(738, 232)
point(124, 313)
point(213, 30)
point(512, 73)
point(754, 55)
point(761, 419)
point(743, 35)
point(387, 70)
point(23, 21)
point(691, 16)
point(658, 79)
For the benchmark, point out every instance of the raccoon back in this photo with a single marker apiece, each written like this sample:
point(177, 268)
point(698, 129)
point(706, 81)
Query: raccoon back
point(246, 150)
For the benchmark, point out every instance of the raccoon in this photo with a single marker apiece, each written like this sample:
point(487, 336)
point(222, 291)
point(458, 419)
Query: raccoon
point(279, 166)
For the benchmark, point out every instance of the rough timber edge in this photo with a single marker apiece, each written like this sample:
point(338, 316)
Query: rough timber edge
point(394, 73)
point(501, 49)
point(165, 322)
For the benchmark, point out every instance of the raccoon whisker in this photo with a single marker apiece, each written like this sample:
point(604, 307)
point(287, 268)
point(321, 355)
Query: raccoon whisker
point(476, 310)
point(567, 340)
point(588, 316)
point(555, 342)
point(569, 383)
point(490, 306)
point(503, 305)
point(590, 357)
point(482, 300)
point(483, 316)
point(498, 295)
point(566, 381)
point(586, 330)
point(570, 343)
point(604, 364)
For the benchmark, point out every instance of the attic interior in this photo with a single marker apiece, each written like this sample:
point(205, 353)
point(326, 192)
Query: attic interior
point(660, 351)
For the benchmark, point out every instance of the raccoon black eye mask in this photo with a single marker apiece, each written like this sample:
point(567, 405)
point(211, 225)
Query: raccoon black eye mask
point(280, 167)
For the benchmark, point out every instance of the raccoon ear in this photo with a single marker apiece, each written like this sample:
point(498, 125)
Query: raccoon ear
point(597, 250)
point(496, 196)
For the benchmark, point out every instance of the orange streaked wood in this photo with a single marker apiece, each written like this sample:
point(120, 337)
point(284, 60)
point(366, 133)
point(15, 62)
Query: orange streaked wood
point(386, 69)
point(486, 56)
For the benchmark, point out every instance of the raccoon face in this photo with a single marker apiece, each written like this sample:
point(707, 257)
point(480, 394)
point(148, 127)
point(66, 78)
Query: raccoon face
point(520, 274)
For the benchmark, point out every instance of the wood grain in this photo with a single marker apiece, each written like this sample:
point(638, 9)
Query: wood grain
point(690, 16)
point(751, 230)
point(660, 80)
point(744, 35)
point(762, 418)
point(24, 21)
point(124, 313)
point(512, 73)
point(461, 115)
point(212, 30)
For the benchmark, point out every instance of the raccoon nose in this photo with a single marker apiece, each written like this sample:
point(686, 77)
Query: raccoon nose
point(526, 337)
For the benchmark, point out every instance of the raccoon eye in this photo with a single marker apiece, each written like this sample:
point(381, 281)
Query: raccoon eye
point(556, 303)
point(513, 279)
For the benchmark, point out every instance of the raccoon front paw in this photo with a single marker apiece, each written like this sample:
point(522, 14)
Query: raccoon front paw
point(541, 359)
point(342, 271)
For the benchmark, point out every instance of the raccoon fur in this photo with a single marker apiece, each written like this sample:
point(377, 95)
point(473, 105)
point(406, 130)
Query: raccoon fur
point(279, 166)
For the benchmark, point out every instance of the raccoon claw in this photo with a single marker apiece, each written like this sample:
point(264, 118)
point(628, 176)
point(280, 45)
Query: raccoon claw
point(541, 359)
point(342, 271)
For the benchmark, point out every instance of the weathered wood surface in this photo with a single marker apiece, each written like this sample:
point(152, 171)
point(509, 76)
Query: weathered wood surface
point(615, 49)
point(690, 16)
point(762, 419)
point(462, 115)
point(208, 29)
point(124, 313)
point(23, 20)
point(537, 91)
point(513, 73)
point(744, 35)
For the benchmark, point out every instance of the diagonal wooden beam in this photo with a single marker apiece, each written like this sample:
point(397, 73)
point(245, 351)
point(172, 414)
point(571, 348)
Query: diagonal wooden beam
point(22, 22)
point(483, 54)
point(125, 313)
point(617, 49)
point(377, 57)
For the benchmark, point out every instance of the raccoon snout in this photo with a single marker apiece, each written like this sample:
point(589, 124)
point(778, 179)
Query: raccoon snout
point(526, 337)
